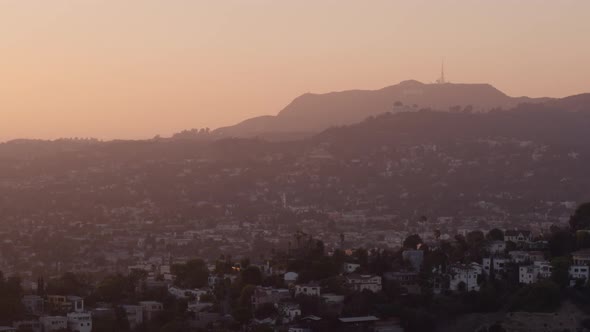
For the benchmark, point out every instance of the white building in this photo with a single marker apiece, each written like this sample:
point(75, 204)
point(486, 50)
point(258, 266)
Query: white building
point(53, 323)
point(181, 293)
point(32, 325)
point(360, 282)
point(494, 264)
point(79, 321)
point(464, 277)
point(519, 256)
point(307, 289)
point(581, 257)
point(518, 236)
point(579, 272)
point(544, 268)
point(529, 274)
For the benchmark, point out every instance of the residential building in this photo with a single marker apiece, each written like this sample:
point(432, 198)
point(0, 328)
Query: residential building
point(465, 277)
point(361, 282)
point(32, 325)
point(581, 257)
point(151, 309)
point(180, 293)
point(53, 323)
point(307, 289)
point(529, 274)
point(79, 321)
point(579, 272)
point(34, 304)
point(494, 264)
point(66, 303)
point(134, 315)
point(518, 236)
point(272, 295)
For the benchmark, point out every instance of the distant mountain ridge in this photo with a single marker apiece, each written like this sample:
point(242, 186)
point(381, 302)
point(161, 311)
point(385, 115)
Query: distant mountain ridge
point(310, 113)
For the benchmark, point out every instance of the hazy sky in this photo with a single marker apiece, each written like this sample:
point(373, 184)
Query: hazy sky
point(137, 68)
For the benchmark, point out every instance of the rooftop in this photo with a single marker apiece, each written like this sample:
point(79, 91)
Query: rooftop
point(358, 319)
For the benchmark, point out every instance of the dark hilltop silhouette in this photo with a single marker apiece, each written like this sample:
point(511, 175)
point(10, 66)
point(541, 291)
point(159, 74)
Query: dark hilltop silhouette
point(310, 113)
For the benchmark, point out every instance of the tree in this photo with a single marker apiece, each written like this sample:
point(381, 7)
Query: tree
point(193, 274)
point(561, 242)
point(252, 276)
point(496, 327)
point(11, 307)
point(581, 218)
point(475, 239)
point(69, 284)
point(412, 241)
point(560, 271)
point(114, 289)
point(495, 235)
point(543, 296)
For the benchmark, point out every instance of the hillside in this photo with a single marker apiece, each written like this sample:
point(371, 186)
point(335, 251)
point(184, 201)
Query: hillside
point(312, 113)
point(519, 165)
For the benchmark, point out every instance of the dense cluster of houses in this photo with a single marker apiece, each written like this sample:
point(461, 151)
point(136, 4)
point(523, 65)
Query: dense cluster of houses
point(528, 258)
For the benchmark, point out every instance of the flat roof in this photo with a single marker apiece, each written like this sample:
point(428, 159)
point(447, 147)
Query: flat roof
point(358, 319)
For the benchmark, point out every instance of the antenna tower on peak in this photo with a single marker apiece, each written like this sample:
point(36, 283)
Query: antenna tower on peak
point(442, 80)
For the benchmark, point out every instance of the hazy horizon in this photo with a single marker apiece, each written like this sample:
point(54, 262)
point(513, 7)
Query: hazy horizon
point(141, 68)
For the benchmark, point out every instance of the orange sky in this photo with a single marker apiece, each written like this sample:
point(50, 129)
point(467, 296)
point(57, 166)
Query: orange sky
point(137, 68)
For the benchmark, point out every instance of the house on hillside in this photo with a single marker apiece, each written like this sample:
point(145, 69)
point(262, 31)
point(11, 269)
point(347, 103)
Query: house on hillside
point(581, 257)
point(464, 277)
point(311, 289)
point(518, 236)
point(361, 282)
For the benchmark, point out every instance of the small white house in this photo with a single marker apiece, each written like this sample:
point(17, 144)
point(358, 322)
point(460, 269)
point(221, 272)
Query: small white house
point(181, 293)
point(518, 236)
point(53, 323)
point(307, 289)
point(361, 282)
point(581, 257)
point(80, 321)
point(464, 277)
point(579, 272)
point(529, 274)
